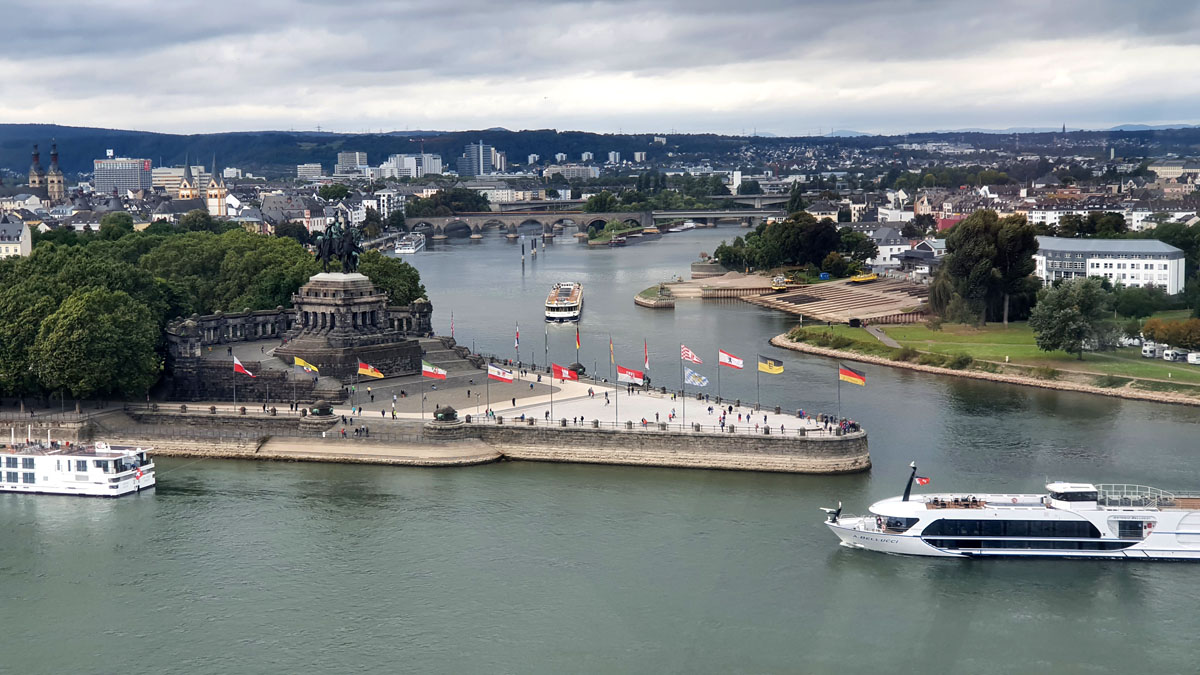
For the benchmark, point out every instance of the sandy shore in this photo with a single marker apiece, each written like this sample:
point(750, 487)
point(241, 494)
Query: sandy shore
point(1115, 392)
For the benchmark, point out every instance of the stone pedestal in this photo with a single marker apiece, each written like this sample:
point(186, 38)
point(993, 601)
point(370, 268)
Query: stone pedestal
point(342, 319)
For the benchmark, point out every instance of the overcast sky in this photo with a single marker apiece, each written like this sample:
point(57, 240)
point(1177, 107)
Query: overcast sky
point(778, 66)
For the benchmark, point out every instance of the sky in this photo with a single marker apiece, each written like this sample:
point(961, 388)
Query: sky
point(773, 66)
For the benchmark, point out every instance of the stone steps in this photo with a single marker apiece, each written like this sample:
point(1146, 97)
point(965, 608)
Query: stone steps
point(685, 459)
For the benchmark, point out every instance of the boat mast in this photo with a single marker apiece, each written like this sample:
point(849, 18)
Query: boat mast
point(911, 476)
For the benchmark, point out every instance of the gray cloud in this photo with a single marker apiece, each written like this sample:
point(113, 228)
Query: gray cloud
point(786, 67)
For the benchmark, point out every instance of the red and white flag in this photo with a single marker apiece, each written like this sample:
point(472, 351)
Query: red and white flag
point(688, 355)
point(239, 368)
point(922, 480)
point(726, 359)
point(561, 373)
point(430, 370)
point(498, 373)
point(630, 375)
point(646, 353)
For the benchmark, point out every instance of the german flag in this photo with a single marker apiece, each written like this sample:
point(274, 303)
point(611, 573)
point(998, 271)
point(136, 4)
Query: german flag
point(851, 375)
point(368, 370)
point(767, 364)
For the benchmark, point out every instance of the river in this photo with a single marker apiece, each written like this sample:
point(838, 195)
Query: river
point(521, 567)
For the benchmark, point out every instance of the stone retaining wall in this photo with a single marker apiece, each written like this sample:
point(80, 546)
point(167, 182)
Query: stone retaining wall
point(823, 455)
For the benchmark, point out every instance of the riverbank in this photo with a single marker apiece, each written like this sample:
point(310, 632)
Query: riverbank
point(784, 342)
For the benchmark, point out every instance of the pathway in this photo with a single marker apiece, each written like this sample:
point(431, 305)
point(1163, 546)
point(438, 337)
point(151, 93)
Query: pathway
point(883, 337)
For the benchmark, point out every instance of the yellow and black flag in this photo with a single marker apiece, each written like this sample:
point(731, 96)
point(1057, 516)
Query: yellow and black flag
point(769, 365)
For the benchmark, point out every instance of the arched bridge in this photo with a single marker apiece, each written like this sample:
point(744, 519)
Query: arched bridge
point(539, 222)
point(570, 222)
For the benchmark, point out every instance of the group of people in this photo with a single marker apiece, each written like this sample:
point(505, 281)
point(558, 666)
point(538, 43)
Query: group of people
point(359, 432)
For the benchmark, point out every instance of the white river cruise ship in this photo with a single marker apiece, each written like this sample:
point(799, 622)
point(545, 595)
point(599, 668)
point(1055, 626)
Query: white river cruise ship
point(98, 470)
point(565, 301)
point(1073, 520)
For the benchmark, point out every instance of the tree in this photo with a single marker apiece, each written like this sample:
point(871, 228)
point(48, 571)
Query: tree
point(116, 225)
point(1016, 242)
point(603, 202)
point(395, 221)
point(333, 192)
point(400, 280)
point(98, 342)
point(293, 230)
point(1072, 316)
point(750, 187)
point(795, 202)
point(551, 193)
point(160, 227)
point(371, 224)
point(1138, 302)
point(920, 226)
point(856, 246)
point(835, 264)
point(446, 203)
point(198, 220)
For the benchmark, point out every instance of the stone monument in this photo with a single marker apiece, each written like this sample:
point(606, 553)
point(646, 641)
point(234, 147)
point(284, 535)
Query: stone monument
point(342, 319)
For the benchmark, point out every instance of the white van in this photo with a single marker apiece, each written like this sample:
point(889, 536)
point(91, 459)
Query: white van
point(1175, 355)
point(1152, 351)
point(1194, 358)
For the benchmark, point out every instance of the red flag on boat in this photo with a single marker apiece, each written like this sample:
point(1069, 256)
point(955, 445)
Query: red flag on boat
point(922, 480)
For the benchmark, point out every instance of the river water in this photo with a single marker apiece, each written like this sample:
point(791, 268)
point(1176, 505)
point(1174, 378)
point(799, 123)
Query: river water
point(522, 567)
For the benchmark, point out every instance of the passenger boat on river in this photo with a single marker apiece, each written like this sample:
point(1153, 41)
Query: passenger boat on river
point(1073, 520)
point(96, 470)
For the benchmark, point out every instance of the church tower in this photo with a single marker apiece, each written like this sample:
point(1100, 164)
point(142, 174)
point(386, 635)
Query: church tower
point(37, 176)
point(56, 185)
point(215, 192)
point(187, 184)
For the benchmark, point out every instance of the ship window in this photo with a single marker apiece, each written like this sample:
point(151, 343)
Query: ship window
point(899, 524)
point(12, 476)
point(10, 462)
point(27, 462)
point(1074, 496)
point(1077, 529)
point(81, 465)
point(27, 477)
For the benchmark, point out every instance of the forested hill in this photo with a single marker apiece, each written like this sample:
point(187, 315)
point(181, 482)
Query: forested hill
point(278, 152)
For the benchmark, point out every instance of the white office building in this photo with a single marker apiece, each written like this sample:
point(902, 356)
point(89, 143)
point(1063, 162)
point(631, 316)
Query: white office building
point(614, 157)
point(1129, 262)
point(533, 159)
point(586, 157)
point(308, 171)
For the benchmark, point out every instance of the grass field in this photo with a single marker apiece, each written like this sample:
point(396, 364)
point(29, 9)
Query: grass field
point(1016, 342)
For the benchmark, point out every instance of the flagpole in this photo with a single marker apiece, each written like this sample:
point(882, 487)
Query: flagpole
point(487, 383)
point(718, 374)
point(839, 391)
point(551, 395)
point(546, 354)
point(682, 385)
point(757, 394)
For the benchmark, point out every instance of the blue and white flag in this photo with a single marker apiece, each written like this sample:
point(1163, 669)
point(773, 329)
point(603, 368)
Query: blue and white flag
point(693, 378)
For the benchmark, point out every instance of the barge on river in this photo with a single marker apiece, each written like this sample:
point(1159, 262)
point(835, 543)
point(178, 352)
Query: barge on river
point(96, 470)
point(1069, 520)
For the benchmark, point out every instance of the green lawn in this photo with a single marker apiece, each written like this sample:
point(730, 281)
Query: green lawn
point(607, 236)
point(995, 342)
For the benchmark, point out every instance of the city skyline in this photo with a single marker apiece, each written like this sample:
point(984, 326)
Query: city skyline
point(781, 68)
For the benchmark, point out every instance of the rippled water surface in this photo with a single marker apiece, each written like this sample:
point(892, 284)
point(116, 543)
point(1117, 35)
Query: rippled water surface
point(517, 567)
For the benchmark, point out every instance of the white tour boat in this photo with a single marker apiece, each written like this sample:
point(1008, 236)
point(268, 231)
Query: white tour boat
point(565, 302)
point(97, 470)
point(410, 243)
point(1075, 520)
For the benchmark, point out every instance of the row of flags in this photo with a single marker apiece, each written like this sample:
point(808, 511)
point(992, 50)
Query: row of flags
point(300, 365)
point(766, 364)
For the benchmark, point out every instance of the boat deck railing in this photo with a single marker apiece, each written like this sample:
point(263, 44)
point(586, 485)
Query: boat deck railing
point(1135, 496)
